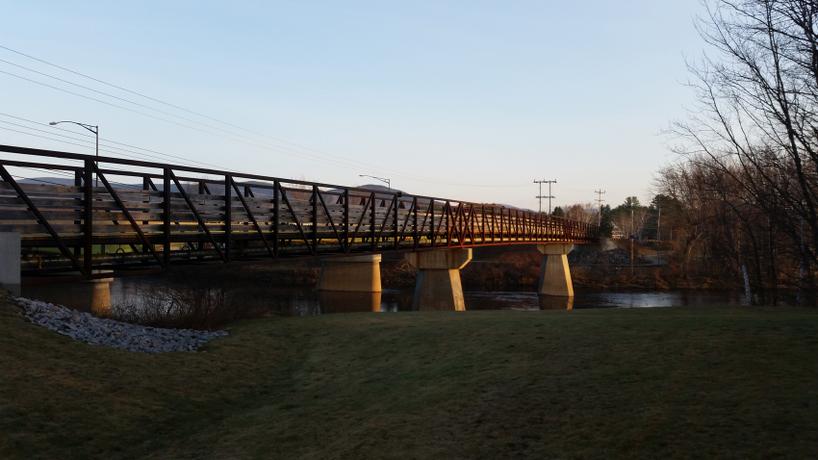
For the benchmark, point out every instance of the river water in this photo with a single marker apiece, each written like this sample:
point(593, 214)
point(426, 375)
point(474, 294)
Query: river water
point(302, 301)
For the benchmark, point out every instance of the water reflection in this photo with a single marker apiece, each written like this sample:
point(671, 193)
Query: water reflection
point(349, 302)
point(254, 299)
point(550, 302)
point(89, 296)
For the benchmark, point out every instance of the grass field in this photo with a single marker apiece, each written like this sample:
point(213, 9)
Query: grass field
point(592, 383)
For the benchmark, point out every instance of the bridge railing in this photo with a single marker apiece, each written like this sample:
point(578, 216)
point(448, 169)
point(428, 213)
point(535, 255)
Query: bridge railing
point(96, 212)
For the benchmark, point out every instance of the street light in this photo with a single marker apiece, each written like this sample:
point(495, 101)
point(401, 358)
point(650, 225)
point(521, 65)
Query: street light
point(94, 129)
point(385, 180)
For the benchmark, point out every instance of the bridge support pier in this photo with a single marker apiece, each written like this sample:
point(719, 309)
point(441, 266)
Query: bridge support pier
point(351, 274)
point(96, 294)
point(90, 295)
point(555, 274)
point(438, 284)
point(10, 262)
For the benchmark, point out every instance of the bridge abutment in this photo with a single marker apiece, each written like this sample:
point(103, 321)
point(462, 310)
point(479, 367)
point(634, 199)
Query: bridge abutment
point(555, 274)
point(351, 274)
point(10, 262)
point(438, 285)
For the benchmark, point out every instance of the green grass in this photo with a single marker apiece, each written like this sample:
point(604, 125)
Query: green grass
point(593, 383)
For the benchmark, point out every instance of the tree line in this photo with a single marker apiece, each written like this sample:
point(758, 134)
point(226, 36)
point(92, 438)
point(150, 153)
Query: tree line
point(746, 179)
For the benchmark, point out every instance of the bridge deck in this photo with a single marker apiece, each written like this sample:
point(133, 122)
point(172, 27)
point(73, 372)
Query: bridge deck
point(119, 212)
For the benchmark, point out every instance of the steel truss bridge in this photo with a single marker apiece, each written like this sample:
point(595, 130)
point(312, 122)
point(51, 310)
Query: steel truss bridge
point(114, 213)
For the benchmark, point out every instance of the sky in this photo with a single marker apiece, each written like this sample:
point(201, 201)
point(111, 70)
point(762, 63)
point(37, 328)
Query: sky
point(468, 100)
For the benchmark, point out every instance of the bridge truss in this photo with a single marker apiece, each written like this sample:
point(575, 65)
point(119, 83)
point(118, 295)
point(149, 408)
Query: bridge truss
point(115, 213)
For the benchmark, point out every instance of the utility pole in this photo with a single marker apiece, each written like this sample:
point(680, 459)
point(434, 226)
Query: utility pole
point(549, 196)
point(599, 202)
point(658, 234)
point(659, 224)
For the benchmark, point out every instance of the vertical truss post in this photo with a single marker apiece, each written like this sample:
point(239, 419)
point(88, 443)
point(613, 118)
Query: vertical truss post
point(491, 227)
point(502, 227)
point(447, 210)
point(88, 218)
point(276, 213)
point(78, 184)
point(482, 223)
point(347, 246)
point(228, 215)
point(372, 220)
point(166, 216)
point(432, 220)
point(395, 219)
point(415, 236)
point(314, 218)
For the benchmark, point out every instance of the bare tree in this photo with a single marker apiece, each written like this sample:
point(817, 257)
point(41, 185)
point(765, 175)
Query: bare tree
point(757, 119)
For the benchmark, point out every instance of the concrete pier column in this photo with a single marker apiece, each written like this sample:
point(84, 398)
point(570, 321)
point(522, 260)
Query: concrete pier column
point(96, 293)
point(10, 262)
point(351, 274)
point(438, 284)
point(555, 275)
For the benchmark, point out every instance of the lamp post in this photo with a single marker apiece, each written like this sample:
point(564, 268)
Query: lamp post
point(94, 129)
point(385, 180)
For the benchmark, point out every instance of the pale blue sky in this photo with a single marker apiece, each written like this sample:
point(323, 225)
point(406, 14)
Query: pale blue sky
point(463, 99)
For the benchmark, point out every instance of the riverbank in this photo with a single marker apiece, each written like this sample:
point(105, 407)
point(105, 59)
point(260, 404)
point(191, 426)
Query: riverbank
point(657, 382)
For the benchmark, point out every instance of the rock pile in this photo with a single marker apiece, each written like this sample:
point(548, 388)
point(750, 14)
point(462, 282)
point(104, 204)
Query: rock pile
point(107, 332)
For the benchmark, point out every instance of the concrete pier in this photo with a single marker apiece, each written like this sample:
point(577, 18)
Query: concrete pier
point(96, 293)
point(91, 295)
point(438, 284)
point(555, 274)
point(10, 262)
point(351, 274)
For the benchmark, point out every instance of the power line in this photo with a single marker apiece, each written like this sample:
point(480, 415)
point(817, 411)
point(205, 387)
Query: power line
point(129, 101)
point(64, 141)
point(319, 156)
point(353, 164)
point(160, 101)
point(84, 96)
point(106, 142)
point(136, 93)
